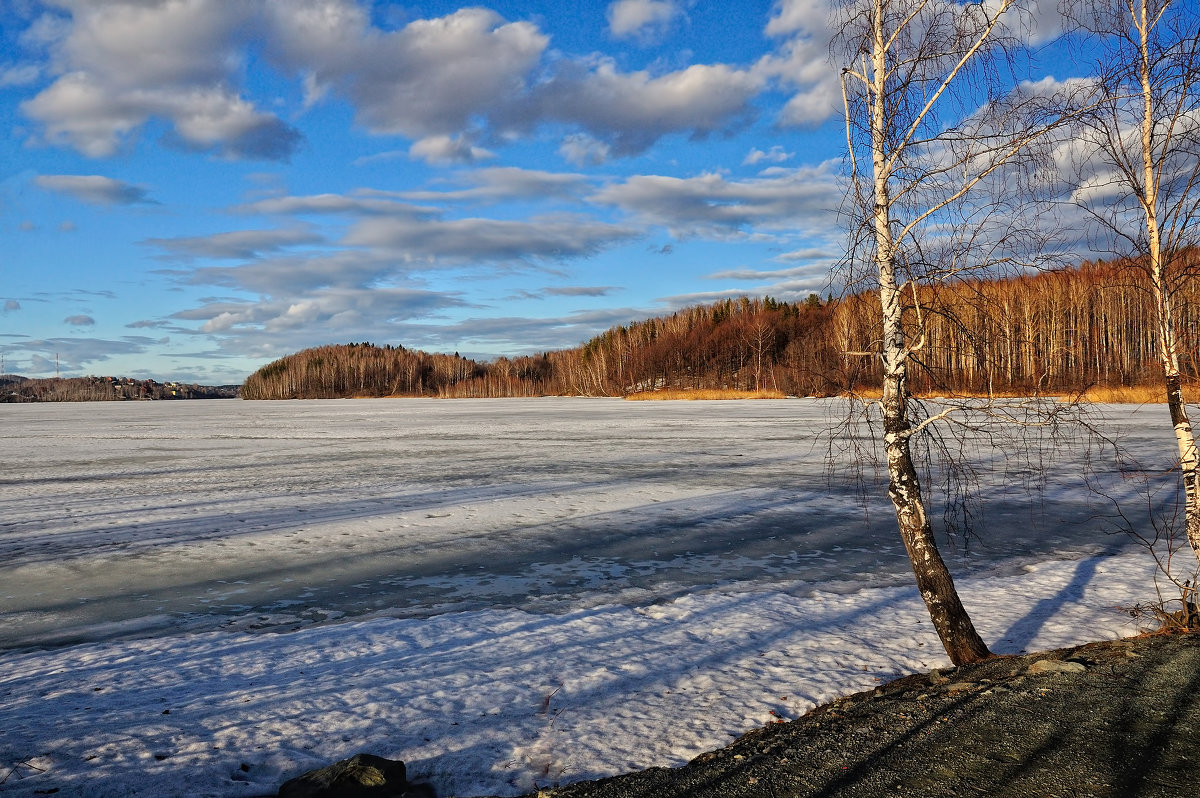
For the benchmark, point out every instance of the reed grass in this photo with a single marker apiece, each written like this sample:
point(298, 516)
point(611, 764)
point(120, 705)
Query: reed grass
point(1137, 394)
point(1116, 394)
point(703, 393)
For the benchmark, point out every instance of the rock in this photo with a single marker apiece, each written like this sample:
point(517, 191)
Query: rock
point(1057, 666)
point(360, 776)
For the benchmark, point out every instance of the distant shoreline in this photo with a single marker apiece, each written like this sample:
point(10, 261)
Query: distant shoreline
point(15, 389)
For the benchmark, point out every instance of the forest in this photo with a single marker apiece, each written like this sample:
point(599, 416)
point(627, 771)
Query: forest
point(1053, 332)
point(100, 389)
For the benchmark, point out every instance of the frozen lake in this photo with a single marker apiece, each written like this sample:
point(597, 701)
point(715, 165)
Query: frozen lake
point(127, 518)
point(207, 598)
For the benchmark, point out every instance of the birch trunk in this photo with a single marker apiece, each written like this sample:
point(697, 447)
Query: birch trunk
point(950, 619)
point(1168, 344)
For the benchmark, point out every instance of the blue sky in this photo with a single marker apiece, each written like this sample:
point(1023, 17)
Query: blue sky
point(193, 188)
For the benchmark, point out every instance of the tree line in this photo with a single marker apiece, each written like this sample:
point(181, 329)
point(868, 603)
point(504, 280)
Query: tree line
point(103, 389)
point(1053, 332)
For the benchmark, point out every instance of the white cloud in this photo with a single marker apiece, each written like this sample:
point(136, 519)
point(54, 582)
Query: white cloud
point(74, 354)
point(298, 274)
point(801, 200)
point(239, 244)
point(276, 325)
point(443, 149)
point(354, 204)
point(496, 184)
point(20, 75)
point(579, 290)
point(94, 189)
point(430, 78)
point(632, 110)
point(641, 18)
point(583, 150)
point(486, 240)
point(515, 335)
point(805, 254)
point(123, 62)
point(770, 274)
point(775, 155)
point(451, 84)
point(802, 62)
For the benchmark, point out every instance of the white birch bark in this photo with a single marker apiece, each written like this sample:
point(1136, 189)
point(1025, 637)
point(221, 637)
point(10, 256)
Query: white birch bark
point(1144, 21)
point(951, 620)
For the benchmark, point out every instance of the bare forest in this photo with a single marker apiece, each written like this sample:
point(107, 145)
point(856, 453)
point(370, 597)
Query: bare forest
point(1052, 332)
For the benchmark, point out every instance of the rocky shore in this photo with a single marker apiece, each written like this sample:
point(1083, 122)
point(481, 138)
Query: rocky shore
point(1115, 719)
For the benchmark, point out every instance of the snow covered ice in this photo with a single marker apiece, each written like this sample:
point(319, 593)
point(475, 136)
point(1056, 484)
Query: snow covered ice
point(207, 598)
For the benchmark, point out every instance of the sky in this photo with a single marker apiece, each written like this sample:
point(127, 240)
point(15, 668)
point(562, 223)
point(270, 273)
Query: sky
point(190, 189)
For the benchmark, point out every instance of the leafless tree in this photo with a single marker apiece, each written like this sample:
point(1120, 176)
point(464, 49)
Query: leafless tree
point(940, 136)
point(1140, 184)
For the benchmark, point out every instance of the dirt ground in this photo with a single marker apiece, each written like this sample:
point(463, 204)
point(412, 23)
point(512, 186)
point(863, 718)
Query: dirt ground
point(1117, 719)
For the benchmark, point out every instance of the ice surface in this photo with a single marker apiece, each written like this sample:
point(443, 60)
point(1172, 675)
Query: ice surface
point(206, 598)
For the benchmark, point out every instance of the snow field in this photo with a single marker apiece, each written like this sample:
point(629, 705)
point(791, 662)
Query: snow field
point(499, 702)
point(238, 592)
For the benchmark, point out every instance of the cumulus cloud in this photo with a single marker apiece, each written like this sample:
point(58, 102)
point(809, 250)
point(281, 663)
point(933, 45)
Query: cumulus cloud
point(584, 150)
point(444, 149)
point(450, 84)
point(426, 79)
point(435, 80)
point(631, 110)
point(641, 18)
point(11, 306)
point(775, 155)
point(121, 63)
point(802, 62)
point(80, 320)
point(94, 189)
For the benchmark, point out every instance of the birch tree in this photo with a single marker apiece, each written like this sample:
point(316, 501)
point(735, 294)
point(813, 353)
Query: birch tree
point(1141, 182)
point(936, 131)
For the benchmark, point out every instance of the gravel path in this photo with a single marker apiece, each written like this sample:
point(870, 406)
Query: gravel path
point(1115, 719)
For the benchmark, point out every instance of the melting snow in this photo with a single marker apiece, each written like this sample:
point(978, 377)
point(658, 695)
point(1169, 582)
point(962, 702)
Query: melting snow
point(207, 598)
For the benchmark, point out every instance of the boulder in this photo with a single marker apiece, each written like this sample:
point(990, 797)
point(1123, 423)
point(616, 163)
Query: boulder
point(1057, 666)
point(360, 776)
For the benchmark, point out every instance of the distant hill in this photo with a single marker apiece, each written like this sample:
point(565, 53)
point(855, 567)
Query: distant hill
point(14, 388)
point(1092, 326)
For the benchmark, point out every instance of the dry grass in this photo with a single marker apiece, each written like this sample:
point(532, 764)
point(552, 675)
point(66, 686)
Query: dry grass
point(705, 393)
point(876, 393)
point(1119, 394)
point(1131, 395)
